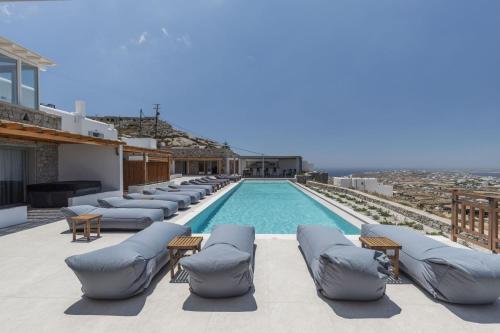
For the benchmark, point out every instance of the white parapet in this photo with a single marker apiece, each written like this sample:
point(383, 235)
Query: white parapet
point(13, 215)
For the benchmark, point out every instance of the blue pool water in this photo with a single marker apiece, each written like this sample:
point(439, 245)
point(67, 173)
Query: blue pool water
point(273, 207)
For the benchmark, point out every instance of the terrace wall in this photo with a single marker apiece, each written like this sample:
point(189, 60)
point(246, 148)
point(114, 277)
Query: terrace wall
point(29, 116)
point(425, 218)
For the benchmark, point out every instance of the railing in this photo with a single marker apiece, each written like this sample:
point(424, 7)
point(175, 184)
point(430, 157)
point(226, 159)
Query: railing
point(474, 218)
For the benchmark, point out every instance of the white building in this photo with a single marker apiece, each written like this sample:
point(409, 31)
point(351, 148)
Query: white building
point(370, 185)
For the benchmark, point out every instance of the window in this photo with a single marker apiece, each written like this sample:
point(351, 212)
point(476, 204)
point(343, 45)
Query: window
point(8, 79)
point(29, 86)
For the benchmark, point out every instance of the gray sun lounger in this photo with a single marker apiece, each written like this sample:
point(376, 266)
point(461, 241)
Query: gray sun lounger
point(194, 196)
point(126, 269)
point(214, 187)
point(117, 218)
point(224, 267)
point(202, 193)
point(209, 189)
point(450, 274)
point(183, 201)
point(169, 207)
point(341, 270)
point(218, 180)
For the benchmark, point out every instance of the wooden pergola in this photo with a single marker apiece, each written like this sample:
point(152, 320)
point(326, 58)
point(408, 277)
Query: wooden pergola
point(26, 132)
point(153, 166)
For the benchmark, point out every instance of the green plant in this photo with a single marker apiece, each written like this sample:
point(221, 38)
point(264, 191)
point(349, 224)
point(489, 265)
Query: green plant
point(418, 226)
point(376, 217)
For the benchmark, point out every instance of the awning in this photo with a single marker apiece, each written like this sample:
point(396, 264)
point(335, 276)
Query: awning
point(20, 131)
point(24, 54)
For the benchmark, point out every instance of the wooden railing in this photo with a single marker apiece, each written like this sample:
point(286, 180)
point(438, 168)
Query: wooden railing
point(474, 218)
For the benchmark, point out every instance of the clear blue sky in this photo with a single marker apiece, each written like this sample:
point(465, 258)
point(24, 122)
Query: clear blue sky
point(347, 83)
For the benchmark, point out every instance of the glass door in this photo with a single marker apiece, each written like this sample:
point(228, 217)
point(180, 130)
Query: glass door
point(12, 176)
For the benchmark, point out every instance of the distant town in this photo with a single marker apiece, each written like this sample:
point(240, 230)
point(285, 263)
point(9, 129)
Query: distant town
point(431, 190)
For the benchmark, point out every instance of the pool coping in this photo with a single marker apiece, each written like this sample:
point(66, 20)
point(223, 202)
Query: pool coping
point(345, 213)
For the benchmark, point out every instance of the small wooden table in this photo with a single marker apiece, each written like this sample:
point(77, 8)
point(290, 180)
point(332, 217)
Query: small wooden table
point(383, 244)
point(86, 220)
point(177, 248)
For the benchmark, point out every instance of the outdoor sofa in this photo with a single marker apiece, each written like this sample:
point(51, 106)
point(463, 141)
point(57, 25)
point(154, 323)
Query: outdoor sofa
point(194, 196)
point(183, 201)
point(341, 270)
point(126, 269)
point(450, 274)
point(116, 218)
point(169, 207)
point(224, 267)
point(56, 194)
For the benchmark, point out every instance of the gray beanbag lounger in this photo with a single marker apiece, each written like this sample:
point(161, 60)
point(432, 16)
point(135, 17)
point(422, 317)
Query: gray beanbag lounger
point(341, 270)
point(450, 274)
point(117, 218)
point(125, 269)
point(183, 201)
point(169, 207)
point(224, 267)
point(207, 188)
point(215, 187)
point(194, 196)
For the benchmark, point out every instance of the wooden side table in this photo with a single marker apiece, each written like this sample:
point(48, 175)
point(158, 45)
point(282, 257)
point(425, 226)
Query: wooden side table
point(177, 248)
point(87, 220)
point(383, 244)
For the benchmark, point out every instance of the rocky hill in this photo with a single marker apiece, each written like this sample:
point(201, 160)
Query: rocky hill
point(130, 126)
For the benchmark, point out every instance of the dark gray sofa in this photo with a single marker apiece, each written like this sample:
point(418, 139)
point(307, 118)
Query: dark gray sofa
point(224, 267)
point(169, 207)
point(126, 269)
point(450, 274)
point(183, 201)
point(341, 270)
point(56, 194)
point(117, 218)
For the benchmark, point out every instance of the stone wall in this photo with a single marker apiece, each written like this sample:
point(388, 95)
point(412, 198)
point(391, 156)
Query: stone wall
point(29, 116)
point(437, 222)
point(47, 157)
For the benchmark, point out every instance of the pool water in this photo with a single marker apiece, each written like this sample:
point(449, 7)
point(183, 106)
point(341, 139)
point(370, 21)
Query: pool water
point(272, 207)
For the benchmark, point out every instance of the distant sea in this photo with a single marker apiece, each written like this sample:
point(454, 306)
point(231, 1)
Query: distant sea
point(487, 174)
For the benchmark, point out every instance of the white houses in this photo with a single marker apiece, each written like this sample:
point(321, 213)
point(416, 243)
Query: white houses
point(364, 184)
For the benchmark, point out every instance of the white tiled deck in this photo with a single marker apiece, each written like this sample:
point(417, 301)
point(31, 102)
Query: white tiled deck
point(39, 293)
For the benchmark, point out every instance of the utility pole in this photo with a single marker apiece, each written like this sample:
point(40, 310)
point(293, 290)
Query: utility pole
point(156, 107)
point(140, 122)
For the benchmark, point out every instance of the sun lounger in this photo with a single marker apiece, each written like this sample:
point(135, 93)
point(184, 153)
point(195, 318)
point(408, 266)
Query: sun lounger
point(215, 187)
point(224, 267)
point(204, 181)
point(207, 188)
point(182, 200)
point(117, 218)
point(218, 180)
point(201, 193)
point(194, 196)
point(341, 270)
point(126, 269)
point(169, 207)
point(450, 274)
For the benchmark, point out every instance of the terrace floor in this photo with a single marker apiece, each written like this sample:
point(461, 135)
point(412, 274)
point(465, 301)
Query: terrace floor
point(39, 293)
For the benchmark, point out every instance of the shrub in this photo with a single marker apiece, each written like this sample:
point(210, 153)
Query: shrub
point(376, 217)
point(418, 226)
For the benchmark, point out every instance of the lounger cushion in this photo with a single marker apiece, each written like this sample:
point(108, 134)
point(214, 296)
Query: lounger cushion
point(201, 192)
point(224, 267)
point(341, 270)
point(182, 200)
point(117, 218)
point(169, 207)
point(125, 269)
point(451, 274)
point(207, 189)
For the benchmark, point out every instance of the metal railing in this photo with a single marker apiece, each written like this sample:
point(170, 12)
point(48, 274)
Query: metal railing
point(475, 219)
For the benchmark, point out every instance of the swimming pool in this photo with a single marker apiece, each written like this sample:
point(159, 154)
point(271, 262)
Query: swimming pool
point(273, 207)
